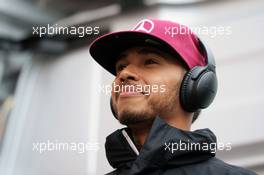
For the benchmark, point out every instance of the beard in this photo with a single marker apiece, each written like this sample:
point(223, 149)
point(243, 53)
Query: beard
point(157, 105)
point(129, 117)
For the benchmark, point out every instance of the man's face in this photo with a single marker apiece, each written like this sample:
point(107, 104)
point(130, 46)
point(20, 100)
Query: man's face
point(147, 84)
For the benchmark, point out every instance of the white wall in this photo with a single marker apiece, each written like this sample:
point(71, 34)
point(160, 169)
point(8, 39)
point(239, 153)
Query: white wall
point(56, 102)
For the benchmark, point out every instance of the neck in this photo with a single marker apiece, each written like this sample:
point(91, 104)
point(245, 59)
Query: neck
point(178, 118)
point(181, 121)
point(140, 132)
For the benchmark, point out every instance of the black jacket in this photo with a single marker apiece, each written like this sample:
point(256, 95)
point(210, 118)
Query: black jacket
point(159, 154)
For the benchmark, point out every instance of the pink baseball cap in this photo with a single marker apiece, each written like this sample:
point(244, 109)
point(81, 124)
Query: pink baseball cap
point(173, 38)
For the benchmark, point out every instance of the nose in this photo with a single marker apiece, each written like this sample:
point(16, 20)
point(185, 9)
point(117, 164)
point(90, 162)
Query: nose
point(130, 73)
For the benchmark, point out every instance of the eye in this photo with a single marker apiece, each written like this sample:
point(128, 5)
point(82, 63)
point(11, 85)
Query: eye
point(120, 67)
point(150, 61)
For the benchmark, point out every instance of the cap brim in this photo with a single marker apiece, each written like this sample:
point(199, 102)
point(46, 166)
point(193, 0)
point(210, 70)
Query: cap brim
point(107, 48)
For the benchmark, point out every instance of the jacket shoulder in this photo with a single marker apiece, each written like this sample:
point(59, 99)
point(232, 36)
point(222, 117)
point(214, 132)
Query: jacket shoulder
point(230, 169)
point(212, 166)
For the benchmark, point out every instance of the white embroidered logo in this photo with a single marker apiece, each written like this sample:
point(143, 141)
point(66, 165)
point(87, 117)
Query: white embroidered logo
point(144, 25)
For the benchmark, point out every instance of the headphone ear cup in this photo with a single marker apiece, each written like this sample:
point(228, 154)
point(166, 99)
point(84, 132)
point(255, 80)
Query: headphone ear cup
point(206, 88)
point(185, 91)
point(112, 108)
point(198, 89)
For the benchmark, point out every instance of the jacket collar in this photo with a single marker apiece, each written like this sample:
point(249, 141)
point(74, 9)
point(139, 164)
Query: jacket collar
point(165, 146)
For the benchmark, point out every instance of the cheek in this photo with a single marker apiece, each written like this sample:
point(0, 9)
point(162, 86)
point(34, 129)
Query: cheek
point(160, 91)
point(164, 85)
point(158, 82)
point(167, 76)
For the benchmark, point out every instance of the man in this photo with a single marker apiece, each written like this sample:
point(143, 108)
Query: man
point(164, 76)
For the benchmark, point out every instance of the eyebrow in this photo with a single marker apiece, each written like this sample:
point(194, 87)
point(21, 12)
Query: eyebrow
point(146, 51)
point(121, 56)
point(143, 51)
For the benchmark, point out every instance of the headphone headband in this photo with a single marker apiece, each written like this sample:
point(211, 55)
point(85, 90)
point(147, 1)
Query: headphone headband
point(210, 61)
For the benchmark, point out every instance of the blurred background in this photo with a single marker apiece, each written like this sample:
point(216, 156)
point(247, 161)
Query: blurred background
point(52, 91)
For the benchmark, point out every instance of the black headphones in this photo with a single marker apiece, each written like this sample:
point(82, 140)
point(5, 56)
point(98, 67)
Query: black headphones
point(199, 85)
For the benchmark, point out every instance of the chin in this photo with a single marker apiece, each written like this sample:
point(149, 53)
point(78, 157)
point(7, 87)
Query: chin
point(130, 110)
point(129, 119)
point(135, 115)
point(132, 106)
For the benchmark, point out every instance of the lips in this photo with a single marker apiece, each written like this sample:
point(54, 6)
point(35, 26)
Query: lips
point(129, 94)
point(130, 91)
